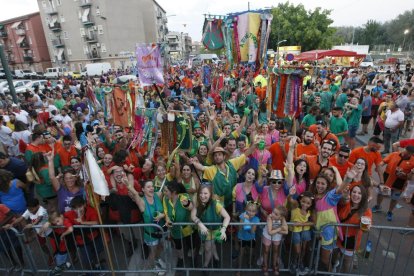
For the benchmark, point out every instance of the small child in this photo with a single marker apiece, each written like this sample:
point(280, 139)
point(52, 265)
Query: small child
point(58, 242)
point(272, 234)
point(301, 216)
point(38, 216)
point(247, 233)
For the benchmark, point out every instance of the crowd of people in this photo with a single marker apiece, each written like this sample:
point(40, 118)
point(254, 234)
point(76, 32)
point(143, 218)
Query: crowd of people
point(245, 165)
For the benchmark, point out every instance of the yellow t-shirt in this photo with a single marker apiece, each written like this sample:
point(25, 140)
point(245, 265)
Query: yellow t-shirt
point(211, 171)
point(296, 216)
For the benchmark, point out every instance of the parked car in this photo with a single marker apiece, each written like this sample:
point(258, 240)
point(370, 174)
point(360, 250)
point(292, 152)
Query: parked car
point(54, 72)
point(74, 74)
point(17, 84)
point(31, 86)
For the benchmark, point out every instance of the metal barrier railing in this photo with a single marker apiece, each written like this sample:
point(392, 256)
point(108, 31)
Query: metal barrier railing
point(121, 249)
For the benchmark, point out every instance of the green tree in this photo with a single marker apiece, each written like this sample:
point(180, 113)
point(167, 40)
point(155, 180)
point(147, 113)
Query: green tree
point(309, 29)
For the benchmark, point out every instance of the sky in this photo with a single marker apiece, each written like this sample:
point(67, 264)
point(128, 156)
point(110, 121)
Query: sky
point(187, 15)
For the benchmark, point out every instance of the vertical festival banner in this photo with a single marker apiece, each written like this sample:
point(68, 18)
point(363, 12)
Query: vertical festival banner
point(149, 64)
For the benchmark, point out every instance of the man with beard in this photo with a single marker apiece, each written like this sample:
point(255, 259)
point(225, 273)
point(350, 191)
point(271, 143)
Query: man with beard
point(371, 154)
point(399, 165)
point(308, 146)
point(279, 151)
point(223, 174)
point(322, 134)
point(317, 162)
point(198, 139)
point(340, 160)
point(338, 124)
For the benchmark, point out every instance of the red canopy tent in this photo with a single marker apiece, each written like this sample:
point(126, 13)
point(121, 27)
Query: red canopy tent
point(320, 54)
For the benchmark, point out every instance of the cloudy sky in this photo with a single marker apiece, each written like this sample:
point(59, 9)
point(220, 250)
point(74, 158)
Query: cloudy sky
point(187, 15)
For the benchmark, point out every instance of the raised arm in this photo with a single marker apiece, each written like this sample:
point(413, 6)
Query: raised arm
point(51, 168)
point(289, 161)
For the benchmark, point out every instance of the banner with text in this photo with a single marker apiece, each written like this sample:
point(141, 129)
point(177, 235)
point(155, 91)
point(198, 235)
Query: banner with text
point(149, 64)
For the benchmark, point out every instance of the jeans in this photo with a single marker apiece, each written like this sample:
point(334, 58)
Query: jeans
point(390, 137)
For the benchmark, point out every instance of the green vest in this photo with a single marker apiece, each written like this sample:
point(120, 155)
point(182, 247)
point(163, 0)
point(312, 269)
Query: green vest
point(177, 213)
point(223, 185)
point(210, 216)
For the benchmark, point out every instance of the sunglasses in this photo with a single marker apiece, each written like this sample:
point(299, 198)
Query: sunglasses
point(276, 182)
point(343, 156)
point(252, 202)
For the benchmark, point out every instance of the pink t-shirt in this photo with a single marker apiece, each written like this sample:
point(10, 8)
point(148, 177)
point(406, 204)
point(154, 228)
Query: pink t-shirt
point(266, 199)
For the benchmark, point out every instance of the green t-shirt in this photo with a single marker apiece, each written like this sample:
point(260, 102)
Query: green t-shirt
point(334, 88)
point(60, 104)
point(338, 125)
point(326, 101)
point(341, 100)
point(354, 117)
point(309, 120)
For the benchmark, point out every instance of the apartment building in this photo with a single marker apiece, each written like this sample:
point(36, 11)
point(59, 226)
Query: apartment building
point(25, 43)
point(79, 32)
point(179, 45)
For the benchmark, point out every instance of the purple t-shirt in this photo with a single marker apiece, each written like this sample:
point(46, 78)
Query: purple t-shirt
point(65, 197)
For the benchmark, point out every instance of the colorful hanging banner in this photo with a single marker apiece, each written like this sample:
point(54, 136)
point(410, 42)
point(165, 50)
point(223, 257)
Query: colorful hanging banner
point(149, 64)
point(248, 27)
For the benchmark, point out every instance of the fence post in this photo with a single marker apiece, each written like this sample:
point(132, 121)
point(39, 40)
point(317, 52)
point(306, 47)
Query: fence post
point(168, 252)
point(26, 250)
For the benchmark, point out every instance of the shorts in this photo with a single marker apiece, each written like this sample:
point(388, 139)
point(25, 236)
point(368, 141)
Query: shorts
point(248, 244)
point(365, 120)
point(377, 129)
point(267, 239)
point(329, 247)
point(352, 130)
point(347, 252)
point(374, 111)
point(298, 237)
point(395, 195)
point(152, 243)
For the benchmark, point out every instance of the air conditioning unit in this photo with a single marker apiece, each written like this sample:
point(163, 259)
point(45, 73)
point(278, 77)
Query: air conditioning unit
point(95, 28)
point(98, 12)
point(98, 45)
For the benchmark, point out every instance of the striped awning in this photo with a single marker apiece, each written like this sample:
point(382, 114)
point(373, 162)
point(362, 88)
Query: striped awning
point(16, 24)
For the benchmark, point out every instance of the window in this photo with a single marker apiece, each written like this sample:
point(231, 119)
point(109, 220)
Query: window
point(47, 20)
point(100, 29)
point(82, 31)
point(80, 14)
point(103, 48)
point(59, 2)
point(30, 40)
point(26, 24)
point(44, 4)
point(65, 35)
point(62, 19)
point(98, 12)
point(85, 49)
point(69, 51)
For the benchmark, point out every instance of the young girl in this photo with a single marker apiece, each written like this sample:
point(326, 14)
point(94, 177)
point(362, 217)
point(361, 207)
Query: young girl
point(301, 216)
point(247, 233)
point(208, 210)
point(272, 235)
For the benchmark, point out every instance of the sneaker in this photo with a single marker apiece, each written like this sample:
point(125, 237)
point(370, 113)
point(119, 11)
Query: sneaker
point(161, 263)
point(389, 216)
point(259, 261)
point(158, 267)
point(57, 270)
point(376, 208)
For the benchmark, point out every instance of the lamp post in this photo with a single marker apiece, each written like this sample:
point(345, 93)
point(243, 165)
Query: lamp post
point(406, 31)
point(277, 51)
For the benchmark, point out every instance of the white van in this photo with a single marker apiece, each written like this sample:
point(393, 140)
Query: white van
point(368, 61)
point(19, 73)
point(55, 72)
point(96, 69)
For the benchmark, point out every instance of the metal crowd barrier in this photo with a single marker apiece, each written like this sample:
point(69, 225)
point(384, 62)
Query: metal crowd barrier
point(123, 251)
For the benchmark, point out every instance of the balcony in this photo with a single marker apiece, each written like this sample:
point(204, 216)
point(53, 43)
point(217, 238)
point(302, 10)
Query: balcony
point(85, 3)
point(55, 27)
point(91, 38)
point(51, 11)
point(28, 58)
point(24, 45)
point(20, 31)
point(87, 21)
point(3, 34)
point(58, 43)
point(94, 56)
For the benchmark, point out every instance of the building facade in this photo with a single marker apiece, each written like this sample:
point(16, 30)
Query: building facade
point(179, 46)
point(24, 43)
point(79, 32)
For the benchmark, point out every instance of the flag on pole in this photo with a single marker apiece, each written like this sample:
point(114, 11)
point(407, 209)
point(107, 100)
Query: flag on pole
point(149, 64)
point(96, 176)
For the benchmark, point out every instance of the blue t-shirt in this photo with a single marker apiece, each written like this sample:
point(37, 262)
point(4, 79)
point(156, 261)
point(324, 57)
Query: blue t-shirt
point(247, 235)
point(366, 106)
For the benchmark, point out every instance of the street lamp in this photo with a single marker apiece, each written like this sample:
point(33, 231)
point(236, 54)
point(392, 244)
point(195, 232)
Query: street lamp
point(406, 31)
point(277, 52)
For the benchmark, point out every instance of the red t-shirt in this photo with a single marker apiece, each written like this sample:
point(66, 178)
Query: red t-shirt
point(406, 142)
point(341, 168)
point(90, 215)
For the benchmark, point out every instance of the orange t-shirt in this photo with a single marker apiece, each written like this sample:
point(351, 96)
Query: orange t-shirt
point(329, 136)
point(314, 166)
point(343, 211)
point(371, 157)
point(394, 160)
point(341, 168)
point(277, 156)
point(313, 128)
point(306, 149)
point(65, 155)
